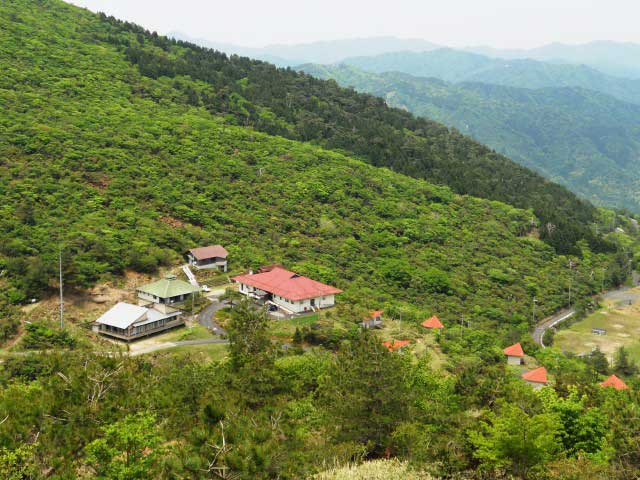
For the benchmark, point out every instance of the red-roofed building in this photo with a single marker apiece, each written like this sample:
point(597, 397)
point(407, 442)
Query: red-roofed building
point(432, 323)
point(214, 256)
point(294, 293)
point(536, 378)
point(396, 345)
point(514, 354)
point(614, 382)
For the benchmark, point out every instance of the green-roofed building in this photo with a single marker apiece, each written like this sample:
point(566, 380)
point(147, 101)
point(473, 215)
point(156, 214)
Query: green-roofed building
point(166, 291)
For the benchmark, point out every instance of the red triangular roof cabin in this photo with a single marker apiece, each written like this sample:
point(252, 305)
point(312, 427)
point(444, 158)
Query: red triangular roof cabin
point(514, 350)
point(539, 375)
point(433, 322)
point(614, 382)
point(374, 314)
point(396, 345)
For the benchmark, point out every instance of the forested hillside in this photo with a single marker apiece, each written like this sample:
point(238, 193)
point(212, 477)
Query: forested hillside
point(299, 107)
point(121, 171)
point(585, 140)
point(459, 66)
point(121, 167)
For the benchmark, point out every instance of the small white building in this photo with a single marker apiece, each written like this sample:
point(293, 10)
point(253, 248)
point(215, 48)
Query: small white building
point(129, 322)
point(373, 320)
point(515, 354)
point(291, 292)
point(536, 378)
point(214, 256)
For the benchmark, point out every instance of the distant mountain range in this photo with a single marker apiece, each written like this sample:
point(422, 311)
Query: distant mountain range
point(612, 58)
point(315, 52)
point(459, 66)
point(584, 139)
point(552, 109)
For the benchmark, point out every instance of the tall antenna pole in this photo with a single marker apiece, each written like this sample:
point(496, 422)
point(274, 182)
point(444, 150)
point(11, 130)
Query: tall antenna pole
point(61, 295)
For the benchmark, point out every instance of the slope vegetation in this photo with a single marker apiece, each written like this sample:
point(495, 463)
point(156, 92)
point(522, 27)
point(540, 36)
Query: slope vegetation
point(299, 107)
point(122, 171)
point(585, 140)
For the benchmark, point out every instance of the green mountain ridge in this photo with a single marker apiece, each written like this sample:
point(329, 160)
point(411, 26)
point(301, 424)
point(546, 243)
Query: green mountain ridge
point(115, 152)
point(299, 107)
point(112, 152)
point(459, 66)
point(583, 139)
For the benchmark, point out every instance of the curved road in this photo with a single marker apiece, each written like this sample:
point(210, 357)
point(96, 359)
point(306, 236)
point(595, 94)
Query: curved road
point(206, 319)
point(623, 294)
point(206, 316)
point(549, 322)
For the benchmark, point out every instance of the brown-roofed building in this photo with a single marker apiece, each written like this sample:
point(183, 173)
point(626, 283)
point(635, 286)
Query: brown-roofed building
point(214, 256)
point(291, 292)
point(536, 378)
point(514, 353)
point(614, 382)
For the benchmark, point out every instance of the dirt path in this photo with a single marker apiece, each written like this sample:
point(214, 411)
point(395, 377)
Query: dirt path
point(167, 345)
point(134, 352)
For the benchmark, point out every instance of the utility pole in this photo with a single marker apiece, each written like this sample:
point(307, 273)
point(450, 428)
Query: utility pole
point(61, 294)
point(533, 310)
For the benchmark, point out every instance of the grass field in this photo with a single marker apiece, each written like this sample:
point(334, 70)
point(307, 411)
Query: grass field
point(287, 328)
point(207, 352)
point(621, 321)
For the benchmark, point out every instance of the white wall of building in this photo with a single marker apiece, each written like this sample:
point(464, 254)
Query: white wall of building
point(297, 306)
point(300, 306)
point(511, 360)
point(536, 385)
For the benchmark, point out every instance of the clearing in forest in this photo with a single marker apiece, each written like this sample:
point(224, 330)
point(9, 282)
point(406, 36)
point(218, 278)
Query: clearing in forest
point(619, 316)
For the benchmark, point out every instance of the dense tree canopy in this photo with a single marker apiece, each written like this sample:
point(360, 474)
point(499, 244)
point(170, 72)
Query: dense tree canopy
point(298, 106)
point(112, 154)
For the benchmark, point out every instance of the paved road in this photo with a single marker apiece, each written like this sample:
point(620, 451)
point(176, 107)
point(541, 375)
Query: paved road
point(205, 317)
point(624, 294)
point(549, 322)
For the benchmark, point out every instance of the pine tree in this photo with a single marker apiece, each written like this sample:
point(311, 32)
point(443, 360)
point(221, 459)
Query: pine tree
point(366, 394)
point(297, 337)
point(598, 362)
point(623, 365)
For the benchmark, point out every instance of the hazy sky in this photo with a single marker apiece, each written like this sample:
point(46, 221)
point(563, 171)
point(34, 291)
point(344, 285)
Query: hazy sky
point(498, 23)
